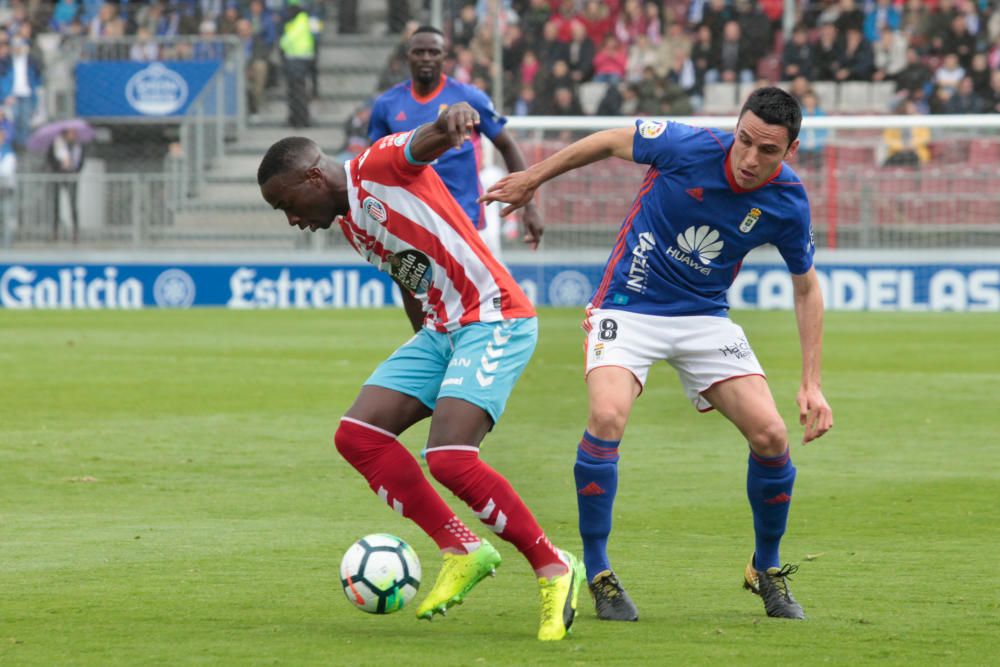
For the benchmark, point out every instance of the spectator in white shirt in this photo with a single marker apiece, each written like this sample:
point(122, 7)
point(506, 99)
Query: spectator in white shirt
point(950, 73)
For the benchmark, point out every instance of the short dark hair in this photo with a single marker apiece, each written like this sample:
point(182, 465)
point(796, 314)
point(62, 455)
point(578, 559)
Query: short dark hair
point(282, 156)
point(775, 107)
point(428, 28)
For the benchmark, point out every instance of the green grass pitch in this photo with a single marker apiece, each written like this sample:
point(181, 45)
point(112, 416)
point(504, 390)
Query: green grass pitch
point(170, 495)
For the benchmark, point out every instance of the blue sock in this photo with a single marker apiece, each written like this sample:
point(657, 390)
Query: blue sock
point(769, 488)
point(596, 473)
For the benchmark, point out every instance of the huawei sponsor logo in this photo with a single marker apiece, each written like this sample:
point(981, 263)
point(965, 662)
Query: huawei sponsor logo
point(697, 247)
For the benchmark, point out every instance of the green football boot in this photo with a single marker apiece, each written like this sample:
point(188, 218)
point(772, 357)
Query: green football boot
point(559, 597)
point(459, 574)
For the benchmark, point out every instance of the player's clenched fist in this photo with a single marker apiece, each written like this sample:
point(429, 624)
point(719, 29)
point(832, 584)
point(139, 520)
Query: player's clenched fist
point(458, 120)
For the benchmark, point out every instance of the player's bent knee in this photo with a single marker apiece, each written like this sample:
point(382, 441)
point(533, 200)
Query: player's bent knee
point(770, 440)
point(357, 442)
point(452, 468)
point(345, 444)
point(607, 422)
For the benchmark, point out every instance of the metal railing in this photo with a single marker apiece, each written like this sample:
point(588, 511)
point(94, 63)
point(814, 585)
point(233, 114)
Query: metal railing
point(207, 126)
point(137, 211)
point(216, 115)
point(110, 209)
point(878, 209)
point(153, 49)
point(953, 202)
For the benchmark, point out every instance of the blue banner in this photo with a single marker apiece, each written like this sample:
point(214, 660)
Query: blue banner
point(924, 287)
point(132, 89)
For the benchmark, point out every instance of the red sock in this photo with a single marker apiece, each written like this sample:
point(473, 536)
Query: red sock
point(395, 476)
point(494, 501)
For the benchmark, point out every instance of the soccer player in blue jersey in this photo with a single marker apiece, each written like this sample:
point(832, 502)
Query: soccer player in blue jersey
point(410, 104)
point(708, 198)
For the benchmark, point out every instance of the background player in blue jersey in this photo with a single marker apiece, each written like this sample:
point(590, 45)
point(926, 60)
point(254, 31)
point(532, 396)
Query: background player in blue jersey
point(413, 103)
point(708, 198)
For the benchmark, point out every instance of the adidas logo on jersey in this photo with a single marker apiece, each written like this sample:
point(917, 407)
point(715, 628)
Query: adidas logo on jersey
point(401, 115)
point(698, 247)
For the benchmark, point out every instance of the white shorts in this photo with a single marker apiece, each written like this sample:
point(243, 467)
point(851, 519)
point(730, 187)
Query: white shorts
point(704, 350)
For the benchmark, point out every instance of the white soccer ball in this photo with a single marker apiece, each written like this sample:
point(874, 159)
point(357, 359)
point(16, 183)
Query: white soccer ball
point(380, 573)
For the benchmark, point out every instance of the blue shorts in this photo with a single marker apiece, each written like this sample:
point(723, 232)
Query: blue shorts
point(478, 363)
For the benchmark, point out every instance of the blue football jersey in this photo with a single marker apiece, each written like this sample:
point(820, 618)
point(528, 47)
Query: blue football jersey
point(400, 109)
point(682, 243)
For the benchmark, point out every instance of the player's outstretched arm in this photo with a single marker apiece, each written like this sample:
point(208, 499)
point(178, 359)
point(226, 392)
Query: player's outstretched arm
point(517, 189)
point(814, 412)
point(453, 126)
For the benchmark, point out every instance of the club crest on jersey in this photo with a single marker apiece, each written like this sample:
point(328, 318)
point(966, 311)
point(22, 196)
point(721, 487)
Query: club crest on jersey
point(651, 129)
point(375, 210)
point(750, 220)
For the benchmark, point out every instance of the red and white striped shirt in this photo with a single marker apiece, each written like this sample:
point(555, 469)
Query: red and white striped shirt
point(403, 220)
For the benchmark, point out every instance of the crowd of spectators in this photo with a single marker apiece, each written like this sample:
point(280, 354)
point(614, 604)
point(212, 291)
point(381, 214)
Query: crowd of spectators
point(656, 57)
point(645, 57)
point(158, 30)
point(33, 32)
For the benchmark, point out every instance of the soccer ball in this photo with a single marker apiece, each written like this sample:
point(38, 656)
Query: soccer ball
point(380, 573)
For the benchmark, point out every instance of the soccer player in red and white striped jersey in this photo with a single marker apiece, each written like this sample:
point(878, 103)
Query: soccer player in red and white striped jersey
point(476, 331)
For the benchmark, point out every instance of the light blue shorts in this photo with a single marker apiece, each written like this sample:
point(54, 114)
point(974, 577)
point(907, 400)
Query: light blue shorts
point(479, 363)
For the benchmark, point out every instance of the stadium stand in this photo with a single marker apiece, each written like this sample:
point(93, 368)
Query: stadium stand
point(928, 57)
